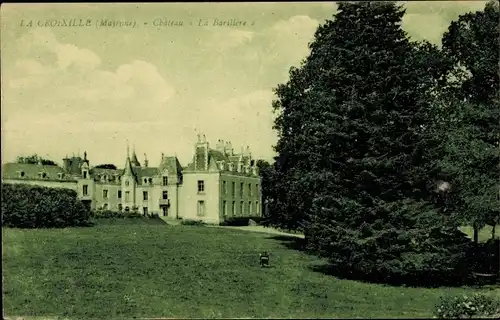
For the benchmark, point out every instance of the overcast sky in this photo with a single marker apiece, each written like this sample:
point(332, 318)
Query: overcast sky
point(68, 90)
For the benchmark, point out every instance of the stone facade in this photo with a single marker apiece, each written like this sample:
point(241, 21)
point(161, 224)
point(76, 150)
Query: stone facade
point(217, 184)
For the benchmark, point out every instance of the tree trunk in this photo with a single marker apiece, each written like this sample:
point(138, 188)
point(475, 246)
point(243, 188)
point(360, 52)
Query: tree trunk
point(476, 234)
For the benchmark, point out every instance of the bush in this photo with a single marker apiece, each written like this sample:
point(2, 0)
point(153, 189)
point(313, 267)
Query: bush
point(239, 221)
point(26, 206)
point(192, 222)
point(459, 307)
point(154, 216)
point(109, 214)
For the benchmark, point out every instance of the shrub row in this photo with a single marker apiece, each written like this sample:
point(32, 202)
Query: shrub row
point(460, 307)
point(188, 222)
point(109, 214)
point(26, 206)
point(240, 221)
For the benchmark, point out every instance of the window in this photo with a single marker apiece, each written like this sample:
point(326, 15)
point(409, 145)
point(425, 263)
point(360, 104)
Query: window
point(257, 209)
point(224, 187)
point(144, 195)
point(21, 174)
point(257, 189)
point(145, 180)
point(249, 189)
point(60, 175)
point(249, 207)
point(119, 194)
point(127, 209)
point(201, 208)
point(120, 207)
point(127, 196)
point(42, 175)
point(150, 180)
point(84, 174)
point(233, 190)
point(165, 194)
point(85, 190)
point(241, 189)
point(201, 186)
point(233, 208)
point(105, 206)
point(145, 210)
point(165, 181)
point(126, 183)
point(241, 208)
point(104, 178)
point(104, 194)
point(165, 211)
point(224, 209)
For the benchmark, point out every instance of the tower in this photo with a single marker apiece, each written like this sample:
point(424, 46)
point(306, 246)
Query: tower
point(129, 183)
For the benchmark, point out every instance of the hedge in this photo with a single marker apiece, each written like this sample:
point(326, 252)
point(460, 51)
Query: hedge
point(108, 214)
point(26, 206)
point(240, 221)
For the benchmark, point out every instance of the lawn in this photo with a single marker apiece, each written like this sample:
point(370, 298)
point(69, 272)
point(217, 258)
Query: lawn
point(132, 268)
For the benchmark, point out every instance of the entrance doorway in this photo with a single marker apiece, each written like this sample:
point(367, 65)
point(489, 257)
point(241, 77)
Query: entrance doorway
point(165, 211)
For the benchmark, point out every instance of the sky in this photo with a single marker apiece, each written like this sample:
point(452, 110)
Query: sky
point(155, 84)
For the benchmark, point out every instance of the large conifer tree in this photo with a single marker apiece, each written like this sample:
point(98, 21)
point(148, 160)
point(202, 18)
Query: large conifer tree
point(353, 144)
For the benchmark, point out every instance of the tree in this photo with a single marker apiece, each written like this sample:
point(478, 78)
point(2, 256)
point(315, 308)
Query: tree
point(105, 166)
point(35, 159)
point(472, 155)
point(471, 42)
point(353, 163)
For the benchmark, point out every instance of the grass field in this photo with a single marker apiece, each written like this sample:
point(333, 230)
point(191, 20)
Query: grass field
point(147, 269)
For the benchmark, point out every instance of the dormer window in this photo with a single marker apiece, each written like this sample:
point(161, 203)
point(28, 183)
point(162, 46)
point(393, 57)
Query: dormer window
point(145, 180)
point(21, 174)
point(221, 165)
point(150, 180)
point(230, 167)
point(104, 178)
point(42, 175)
point(84, 174)
point(60, 175)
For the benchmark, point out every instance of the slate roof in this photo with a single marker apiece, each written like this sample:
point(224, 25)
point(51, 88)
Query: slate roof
point(172, 164)
point(31, 172)
point(214, 156)
point(112, 174)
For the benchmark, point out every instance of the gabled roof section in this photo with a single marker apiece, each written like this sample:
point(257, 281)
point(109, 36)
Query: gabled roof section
point(171, 164)
point(32, 172)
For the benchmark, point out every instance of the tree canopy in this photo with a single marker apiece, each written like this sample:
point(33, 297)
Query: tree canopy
point(35, 159)
point(356, 169)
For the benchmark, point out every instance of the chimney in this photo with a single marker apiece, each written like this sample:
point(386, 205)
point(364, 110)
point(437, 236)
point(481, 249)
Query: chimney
point(229, 148)
point(145, 161)
point(220, 146)
point(66, 164)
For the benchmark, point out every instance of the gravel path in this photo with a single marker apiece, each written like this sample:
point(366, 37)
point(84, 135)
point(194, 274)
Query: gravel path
point(263, 230)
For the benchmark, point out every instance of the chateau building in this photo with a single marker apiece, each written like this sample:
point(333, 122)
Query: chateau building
point(217, 184)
